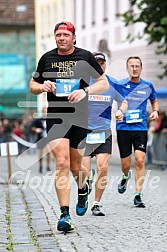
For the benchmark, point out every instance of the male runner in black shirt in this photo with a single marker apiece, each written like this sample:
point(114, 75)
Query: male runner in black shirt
point(64, 73)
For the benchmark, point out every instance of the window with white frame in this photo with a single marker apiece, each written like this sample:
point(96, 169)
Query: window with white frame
point(83, 13)
point(93, 12)
point(117, 8)
point(105, 10)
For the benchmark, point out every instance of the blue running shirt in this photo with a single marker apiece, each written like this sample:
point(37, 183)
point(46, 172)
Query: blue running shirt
point(100, 106)
point(137, 95)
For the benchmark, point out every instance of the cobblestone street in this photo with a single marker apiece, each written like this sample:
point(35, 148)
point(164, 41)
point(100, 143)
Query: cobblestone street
point(29, 212)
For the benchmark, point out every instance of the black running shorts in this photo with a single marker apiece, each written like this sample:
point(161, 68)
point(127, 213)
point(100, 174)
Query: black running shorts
point(76, 134)
point(126, 139)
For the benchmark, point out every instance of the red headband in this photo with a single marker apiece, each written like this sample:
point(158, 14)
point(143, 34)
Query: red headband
point(65, 26)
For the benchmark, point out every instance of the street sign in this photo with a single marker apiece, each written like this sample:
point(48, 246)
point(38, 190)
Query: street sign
point(13, 149)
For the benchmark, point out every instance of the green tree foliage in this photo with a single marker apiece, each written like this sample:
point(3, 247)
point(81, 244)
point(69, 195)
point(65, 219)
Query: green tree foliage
point(153, 13)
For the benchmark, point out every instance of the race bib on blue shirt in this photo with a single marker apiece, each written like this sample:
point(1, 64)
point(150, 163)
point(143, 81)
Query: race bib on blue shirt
point(134, 116)
point(95, 137)
point(65, 86)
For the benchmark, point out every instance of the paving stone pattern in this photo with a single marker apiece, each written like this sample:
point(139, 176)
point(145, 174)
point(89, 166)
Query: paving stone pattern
point(29, 214)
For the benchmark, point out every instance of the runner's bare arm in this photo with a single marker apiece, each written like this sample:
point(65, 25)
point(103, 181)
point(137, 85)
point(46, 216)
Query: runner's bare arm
point(155, 107)
point(122, 109)
point(101, 85)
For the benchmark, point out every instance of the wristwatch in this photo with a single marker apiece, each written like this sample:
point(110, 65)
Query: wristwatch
point(156, 111)
point(86, 90)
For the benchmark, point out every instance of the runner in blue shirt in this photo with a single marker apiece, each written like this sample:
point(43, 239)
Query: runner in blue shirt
point(137, 92)
point(99, 139)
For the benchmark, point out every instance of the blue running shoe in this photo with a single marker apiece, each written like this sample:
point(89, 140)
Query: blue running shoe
point(123, 183)
point(91, 179)
point(83, 202)
point(65, 223)
point(138, 201)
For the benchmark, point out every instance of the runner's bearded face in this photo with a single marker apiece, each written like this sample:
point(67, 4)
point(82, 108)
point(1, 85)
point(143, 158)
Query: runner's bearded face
point(64, 40)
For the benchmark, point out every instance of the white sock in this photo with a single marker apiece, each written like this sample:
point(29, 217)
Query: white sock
point(96, 203)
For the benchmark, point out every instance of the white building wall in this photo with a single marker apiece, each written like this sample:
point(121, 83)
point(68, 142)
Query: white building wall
point(114, 31)
point(111, 29)
point(49, 13)
point(90, 31)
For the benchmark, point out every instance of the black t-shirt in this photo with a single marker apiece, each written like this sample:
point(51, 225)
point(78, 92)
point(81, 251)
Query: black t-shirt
point(81, 65)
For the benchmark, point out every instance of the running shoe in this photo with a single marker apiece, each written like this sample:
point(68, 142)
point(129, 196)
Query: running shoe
point(91, 179)
point(138, 201)
point(122, 185)
point(65, 223)
point(83, 202)
point(96, 210)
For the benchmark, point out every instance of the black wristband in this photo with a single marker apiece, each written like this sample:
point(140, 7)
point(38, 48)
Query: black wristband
point(156, 111)
point(86, 90)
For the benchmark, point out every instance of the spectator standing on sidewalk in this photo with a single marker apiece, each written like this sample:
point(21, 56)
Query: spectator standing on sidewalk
point(64, 73)
point(160, 140)
point(18, 132)
point(25, 132)
point(38, 126)
point(1, 132)
point(7, 130)
point(151, 127)
point(99, 139)
point(161, 125)
point(133, 130)
point(31, 134)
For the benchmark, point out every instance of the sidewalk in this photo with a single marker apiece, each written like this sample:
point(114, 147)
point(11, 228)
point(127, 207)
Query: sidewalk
point(29, 212)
